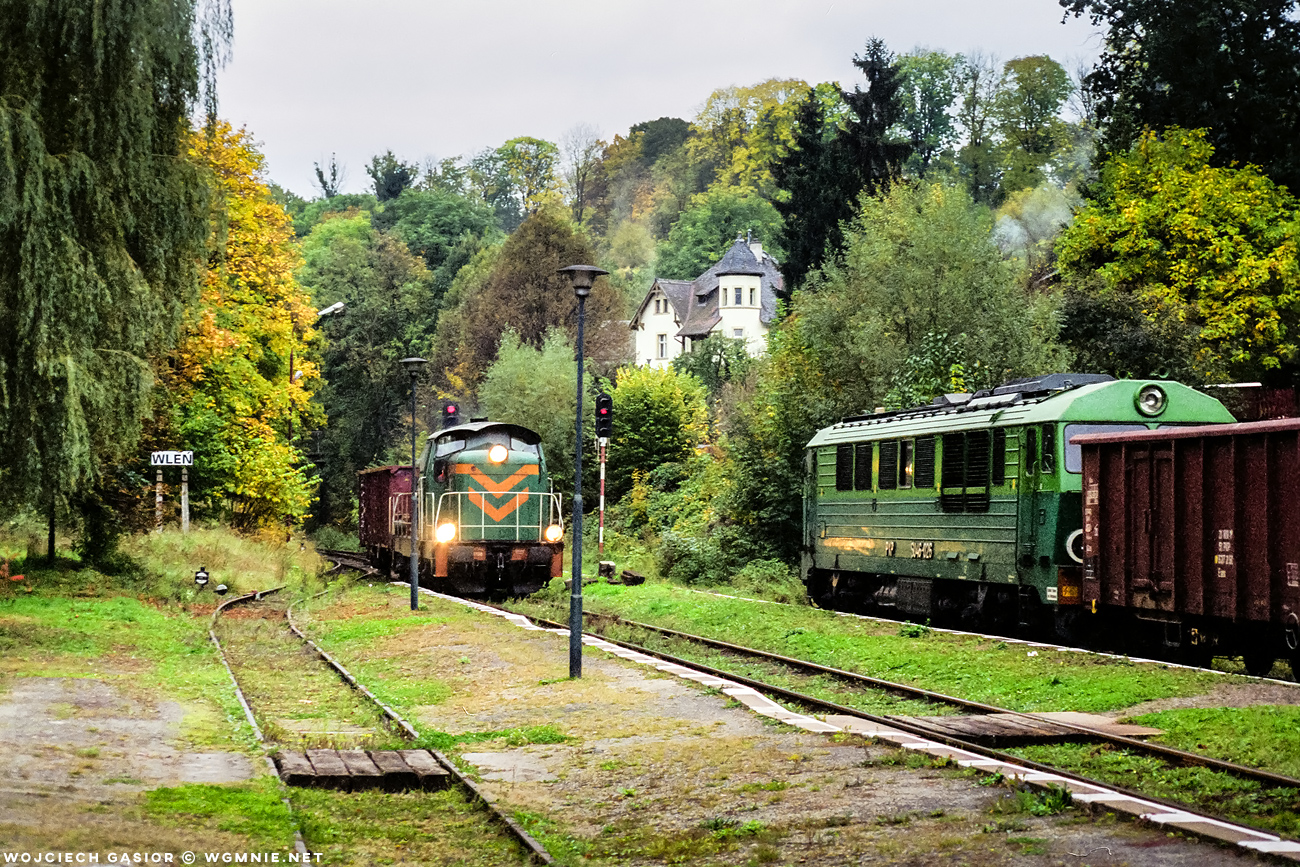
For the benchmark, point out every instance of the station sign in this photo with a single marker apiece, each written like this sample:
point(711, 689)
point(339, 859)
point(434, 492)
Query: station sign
point(171, 459)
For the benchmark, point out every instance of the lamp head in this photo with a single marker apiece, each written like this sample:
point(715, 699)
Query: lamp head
point(582, 276)
point(413, 365)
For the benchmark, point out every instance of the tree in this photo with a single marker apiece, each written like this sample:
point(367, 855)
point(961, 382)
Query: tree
point(1027, 108)
point(1231, 68)
point(522, 292)
point(390, 176)
point(389, 315)
point(530, 165)
point(239, 384)
point(710, 225)
point(331, 178)
point(929, 88)
point(976, 160)
point(432, 222)
point(102, 225)
point(581, 149)
point(740, 131)
point(1217, 246)
point(659, 417)
point(534, 386)
point(660, 137)
point(877, 156)
point(715, 361)
point(918, 268)
point(820, 188)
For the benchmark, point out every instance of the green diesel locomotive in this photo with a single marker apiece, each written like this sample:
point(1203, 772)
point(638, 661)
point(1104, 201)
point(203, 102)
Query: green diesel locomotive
point(968, 511)
point(490, 525)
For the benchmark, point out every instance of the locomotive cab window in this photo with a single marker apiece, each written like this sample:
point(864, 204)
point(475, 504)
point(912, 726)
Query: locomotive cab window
point(1048, 461)
point(448, 446)
point(999, 458)
point(1031, 450)
point(906, 462)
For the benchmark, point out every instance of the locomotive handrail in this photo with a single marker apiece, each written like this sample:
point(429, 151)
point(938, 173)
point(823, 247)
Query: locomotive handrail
point(452, 502)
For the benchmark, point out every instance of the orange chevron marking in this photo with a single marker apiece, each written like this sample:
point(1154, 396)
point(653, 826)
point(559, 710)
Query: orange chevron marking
point(496, 513)
point(498, 488)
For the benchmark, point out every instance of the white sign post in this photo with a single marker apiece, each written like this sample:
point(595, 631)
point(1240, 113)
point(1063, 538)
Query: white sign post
point(184, 460)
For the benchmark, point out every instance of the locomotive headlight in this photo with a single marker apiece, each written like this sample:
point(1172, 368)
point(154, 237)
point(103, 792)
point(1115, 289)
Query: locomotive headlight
point(1151, 400)
point(445, 533)
point(497, 454)
point(554, 533)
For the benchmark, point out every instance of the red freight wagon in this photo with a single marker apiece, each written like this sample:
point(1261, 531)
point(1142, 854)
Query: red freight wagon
point(1194, 532)
point(380, 508)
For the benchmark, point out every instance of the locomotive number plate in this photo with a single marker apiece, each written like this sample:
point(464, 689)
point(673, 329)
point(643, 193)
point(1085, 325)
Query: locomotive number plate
point(922, 550)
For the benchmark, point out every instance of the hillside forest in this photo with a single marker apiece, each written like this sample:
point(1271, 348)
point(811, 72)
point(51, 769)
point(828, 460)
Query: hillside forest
point(943, 222)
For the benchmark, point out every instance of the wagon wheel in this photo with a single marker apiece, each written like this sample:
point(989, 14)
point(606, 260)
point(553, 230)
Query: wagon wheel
point(1258, 662)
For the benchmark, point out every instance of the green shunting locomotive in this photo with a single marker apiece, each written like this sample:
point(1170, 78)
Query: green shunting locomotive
point(968, 511)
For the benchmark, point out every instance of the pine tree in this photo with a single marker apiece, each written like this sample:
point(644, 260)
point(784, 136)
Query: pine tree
point(828, 167)
point(815, 172)
point(102, 223)
point(876, 154)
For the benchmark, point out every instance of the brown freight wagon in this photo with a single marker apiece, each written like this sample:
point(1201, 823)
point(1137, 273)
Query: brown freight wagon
point(1192, 537)
point(381, 509)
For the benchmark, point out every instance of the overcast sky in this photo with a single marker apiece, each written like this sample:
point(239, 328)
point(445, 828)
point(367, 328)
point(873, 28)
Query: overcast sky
point(444, 78)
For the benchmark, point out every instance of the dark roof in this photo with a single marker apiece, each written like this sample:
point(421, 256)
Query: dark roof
point(696, 302)
point(738, 260)
point(515, 430)
point(678, 293)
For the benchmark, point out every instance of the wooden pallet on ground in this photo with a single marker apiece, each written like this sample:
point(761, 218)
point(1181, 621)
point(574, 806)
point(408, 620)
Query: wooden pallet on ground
point(359, 770)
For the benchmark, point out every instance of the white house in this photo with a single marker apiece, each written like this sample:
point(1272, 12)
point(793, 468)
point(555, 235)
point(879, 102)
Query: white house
point(736, 298)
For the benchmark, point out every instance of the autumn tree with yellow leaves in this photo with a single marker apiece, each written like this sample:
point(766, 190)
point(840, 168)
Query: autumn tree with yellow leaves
point(239, 384)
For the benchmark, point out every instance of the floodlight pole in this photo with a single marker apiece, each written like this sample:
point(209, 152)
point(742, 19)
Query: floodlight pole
point(582, 276)
point(413, 366)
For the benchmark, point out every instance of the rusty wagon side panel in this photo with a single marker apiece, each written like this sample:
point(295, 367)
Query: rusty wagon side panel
point(378, 497)
point(1198, 526)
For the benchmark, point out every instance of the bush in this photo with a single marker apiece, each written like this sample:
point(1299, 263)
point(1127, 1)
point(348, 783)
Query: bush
point(770, 579)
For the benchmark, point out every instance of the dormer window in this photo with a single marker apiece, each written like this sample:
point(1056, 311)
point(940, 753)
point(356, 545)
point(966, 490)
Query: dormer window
point(751, 297)
point(738, 296)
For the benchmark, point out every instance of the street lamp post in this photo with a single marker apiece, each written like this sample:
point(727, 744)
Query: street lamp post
point(582, 277)
point(413, 366)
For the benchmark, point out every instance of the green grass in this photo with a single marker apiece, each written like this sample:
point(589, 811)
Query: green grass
point(1264, 736)
point(1245, 801)
point(366, 828)
point(973, 668)
point(128, 641)
point(254, 810)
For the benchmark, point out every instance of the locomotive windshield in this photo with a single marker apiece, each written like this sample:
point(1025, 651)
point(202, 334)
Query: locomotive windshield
point(1073, 452)
point(482, 440)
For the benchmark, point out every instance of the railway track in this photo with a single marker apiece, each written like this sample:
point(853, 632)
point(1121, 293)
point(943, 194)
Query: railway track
point(917, 733)
point(965, 752)
point(389, 722)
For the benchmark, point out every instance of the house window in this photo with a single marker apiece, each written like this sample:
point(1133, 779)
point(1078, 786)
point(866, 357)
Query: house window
point(723, 293)
point(738, 333)
point(738, 291)
point(658, 309)
point(663, 345)
point(751, 297)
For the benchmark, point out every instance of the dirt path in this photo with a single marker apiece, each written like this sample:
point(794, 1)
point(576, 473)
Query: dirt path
point(80, 739)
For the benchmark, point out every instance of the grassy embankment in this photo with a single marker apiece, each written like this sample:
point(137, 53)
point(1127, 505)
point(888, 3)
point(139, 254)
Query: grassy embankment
point(1008, 675)
point(144, 633)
